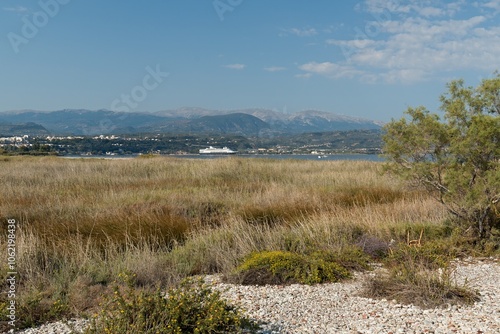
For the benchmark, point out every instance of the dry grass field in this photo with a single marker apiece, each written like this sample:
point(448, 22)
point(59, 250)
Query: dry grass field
point(83, 222)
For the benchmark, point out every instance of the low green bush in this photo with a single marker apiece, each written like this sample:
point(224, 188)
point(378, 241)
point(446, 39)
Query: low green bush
point(281, 267)
point(193, 307)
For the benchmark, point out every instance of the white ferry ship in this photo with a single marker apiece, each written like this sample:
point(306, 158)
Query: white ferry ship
point(213, 150)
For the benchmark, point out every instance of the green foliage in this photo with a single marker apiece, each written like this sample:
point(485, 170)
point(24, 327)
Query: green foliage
point(279, 267)
point(404, 259)
point(191, 308)
point(456, 159)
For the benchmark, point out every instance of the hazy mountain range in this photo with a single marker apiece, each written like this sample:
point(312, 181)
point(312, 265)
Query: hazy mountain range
point(246, 122)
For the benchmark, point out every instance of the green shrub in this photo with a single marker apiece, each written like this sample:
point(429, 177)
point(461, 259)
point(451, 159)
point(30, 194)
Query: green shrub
point(352, 258)
point(456, 158)
point(279, 267)
point(407, 258)
point(190, 308)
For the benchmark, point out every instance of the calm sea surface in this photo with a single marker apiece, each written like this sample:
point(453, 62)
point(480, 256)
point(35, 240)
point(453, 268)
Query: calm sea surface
point(332, 157)
point(367, 157)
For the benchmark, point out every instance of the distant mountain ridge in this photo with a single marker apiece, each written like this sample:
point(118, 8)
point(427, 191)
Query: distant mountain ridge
point(246, 122)
point(30, 129)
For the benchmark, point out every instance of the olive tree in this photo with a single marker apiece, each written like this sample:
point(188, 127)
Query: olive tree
point(456, 157)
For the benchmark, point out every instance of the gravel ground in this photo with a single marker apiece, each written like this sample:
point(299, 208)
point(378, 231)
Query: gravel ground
point(335, 308)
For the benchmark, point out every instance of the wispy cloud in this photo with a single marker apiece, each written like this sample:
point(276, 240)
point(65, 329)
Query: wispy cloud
point(418, 46)
point(494, 4)
point(300, 32)
point(426, 8)
point(275, 69)
point(17, 9)
point(303, 75)
point(415, 41)
point(330, 69)
point(235, 66)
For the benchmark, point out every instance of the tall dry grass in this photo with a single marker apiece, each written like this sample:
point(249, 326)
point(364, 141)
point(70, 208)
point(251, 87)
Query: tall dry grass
point(84, 221)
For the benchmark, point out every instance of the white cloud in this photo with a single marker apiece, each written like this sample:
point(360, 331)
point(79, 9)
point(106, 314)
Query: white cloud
point(404, 76)
point(426, 8)
point(494, 4)
point(330, 69)
point(305, 32)
point(235, 66)
point(418, 45)
point(423, 27)
point(418, 40)
point(379, 6)
point(430, 11)
point(355, 43)
point(275, 69)
point(319, 68)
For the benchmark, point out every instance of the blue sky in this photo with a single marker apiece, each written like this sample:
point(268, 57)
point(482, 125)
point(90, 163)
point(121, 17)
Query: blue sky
point(366, 58)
